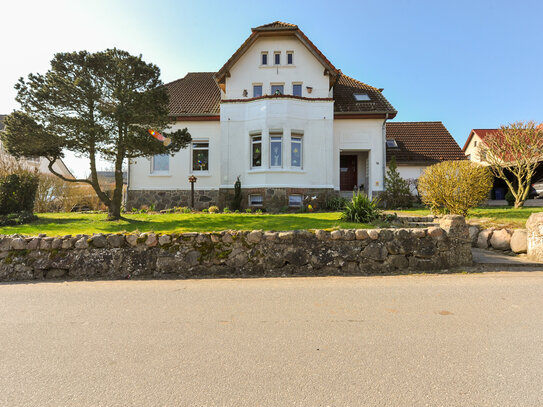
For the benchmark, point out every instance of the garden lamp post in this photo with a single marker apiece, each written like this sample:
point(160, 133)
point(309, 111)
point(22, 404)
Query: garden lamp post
point(192, 180)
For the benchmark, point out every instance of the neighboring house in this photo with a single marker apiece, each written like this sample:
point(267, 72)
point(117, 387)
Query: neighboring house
point(416, 145)
point(472, 150)
point(42, 164)
point(108, 177)
point(284, 119)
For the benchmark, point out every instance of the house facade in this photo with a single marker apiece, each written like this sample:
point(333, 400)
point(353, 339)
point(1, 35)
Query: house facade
point(280, 116)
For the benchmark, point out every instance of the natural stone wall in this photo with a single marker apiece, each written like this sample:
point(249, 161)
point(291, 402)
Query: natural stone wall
point(274, 199)
point(534, 229)
point(237, 253)
point(498, 239)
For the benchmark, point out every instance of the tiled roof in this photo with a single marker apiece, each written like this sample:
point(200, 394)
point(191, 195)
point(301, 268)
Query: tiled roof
point(344, 91)
point(482, 133)
point(422, 142)
point(276, 25)
point(197, 94)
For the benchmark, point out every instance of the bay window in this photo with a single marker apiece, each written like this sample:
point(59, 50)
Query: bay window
point(296, 150)
point(276, 149)
point(256, 151)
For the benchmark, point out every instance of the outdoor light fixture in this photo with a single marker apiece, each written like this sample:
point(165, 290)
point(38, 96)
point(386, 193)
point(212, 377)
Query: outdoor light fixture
point(192, 180)
point(309, 89)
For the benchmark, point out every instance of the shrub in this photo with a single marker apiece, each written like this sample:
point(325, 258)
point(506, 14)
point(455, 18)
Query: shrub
point(258, 211)
point(51, 194)
point(213, 209)
point(397, 193)
point(205, 210)
point(17, 193)
point(226, 210)
point(236, 203)
point(510, 198)
point(17, 218)
point(454, 186)
point(248, 210)
point(183, 209)
point(360, 209)
point(335, 203)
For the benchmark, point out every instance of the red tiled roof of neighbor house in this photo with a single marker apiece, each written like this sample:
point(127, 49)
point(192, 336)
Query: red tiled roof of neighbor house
point(482, 133)
point(422, 143)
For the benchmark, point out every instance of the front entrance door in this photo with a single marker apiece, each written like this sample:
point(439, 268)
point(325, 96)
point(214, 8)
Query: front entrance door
point(348, 177)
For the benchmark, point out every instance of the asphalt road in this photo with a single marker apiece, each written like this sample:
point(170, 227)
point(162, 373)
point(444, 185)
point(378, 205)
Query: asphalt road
point(430, 340)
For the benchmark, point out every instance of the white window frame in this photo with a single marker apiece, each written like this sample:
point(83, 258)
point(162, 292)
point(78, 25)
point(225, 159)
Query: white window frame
point(276, 134)
point(361, 97)
point(292, 59)
point(262, 58)
point(257, 204)
point(295, 205)
point(159, 172)
point(252, 141)
point(297, 135)
point(274, 58)
point(192, 148)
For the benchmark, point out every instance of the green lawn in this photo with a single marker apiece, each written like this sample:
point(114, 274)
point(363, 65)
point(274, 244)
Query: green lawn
point(491, 216)
point(58, 224)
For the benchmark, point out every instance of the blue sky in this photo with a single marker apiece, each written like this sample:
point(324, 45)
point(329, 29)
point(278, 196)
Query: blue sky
point(470, 64)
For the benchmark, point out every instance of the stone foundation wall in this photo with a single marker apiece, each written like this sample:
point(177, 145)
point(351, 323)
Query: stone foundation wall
point(237, 253)
point(534, 229)
point(274, 199)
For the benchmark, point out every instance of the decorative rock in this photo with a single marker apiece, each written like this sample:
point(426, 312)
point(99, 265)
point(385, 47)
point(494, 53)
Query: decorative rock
point(98, 241)
point(397, 261)
point(321, 234)
point(115, 240)
point(519, 241)
point(18, 244)
point(336, 234)
point(349, 235)
point(215, 237)
point(33, 244)
point(436, 233)
point(375, 251)
point(373, 234)
point(151, 240)
point(56, 243)
point(473, 234)
point(164, 240)
point(270, 235)
point(227, 238)
point(286, 235)
point(132, 239)
point(67, 243)
point(254, 237)
point(418, 233)
point(484, 238)
point(5, 244)
point(501, 239)
point(361, 234)
point(82, 243)
point(45, 243)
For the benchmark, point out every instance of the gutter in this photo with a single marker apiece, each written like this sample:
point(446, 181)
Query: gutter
point(384, 148)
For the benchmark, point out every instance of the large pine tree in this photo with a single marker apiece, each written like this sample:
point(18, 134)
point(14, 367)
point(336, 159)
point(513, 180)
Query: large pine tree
point(94, 104)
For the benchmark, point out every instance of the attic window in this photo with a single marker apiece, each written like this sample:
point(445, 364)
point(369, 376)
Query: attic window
point(361, 97)
point(391, 143)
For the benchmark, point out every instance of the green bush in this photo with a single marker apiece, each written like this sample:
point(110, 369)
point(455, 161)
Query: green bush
point(17, 193)
point(226, 210)
point(360, 209)
point(396, 193)
point(213, 209)
point(509, 197)
point(335, 203)
point(455, 186)
point(205, 210)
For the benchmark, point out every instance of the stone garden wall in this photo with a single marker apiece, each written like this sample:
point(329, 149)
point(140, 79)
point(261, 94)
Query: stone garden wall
point(237, 253)
point(534, 231)
point(507, 240)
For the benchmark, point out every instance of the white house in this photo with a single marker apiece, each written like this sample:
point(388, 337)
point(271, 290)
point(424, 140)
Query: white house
point(280, 116)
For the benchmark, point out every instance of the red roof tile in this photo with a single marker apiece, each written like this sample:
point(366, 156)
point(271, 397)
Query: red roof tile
point(422, 143)
point(344, 91)
point(197, 94)
point(482, 133)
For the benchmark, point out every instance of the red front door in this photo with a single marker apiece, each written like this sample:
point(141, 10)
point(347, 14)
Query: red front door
point(348, 179)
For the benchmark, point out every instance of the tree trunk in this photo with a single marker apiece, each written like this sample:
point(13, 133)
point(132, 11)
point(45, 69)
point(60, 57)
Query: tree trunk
point(114, 210)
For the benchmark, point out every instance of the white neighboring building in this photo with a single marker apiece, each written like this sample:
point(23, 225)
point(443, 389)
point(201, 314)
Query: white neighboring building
point(42, 164)
point(280, 116)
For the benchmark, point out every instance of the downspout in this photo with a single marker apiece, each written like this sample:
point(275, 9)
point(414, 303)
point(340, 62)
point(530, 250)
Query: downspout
point(127, 184)
point(384, 148)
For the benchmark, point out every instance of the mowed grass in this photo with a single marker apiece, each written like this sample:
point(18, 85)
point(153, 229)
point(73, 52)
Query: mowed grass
point(59, 224)
point(499, 216)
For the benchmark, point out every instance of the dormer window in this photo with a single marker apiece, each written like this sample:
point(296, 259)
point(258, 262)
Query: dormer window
point(391, 143)
point(264, 58)
point(277, 58)
point(290, 57)
point(361, 97)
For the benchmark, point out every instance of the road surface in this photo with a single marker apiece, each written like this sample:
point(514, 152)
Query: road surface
point(425, 340)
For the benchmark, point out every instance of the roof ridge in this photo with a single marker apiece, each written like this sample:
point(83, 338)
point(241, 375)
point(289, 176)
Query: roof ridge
point(356, 80)
point(416, 122)
point(189, 73)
